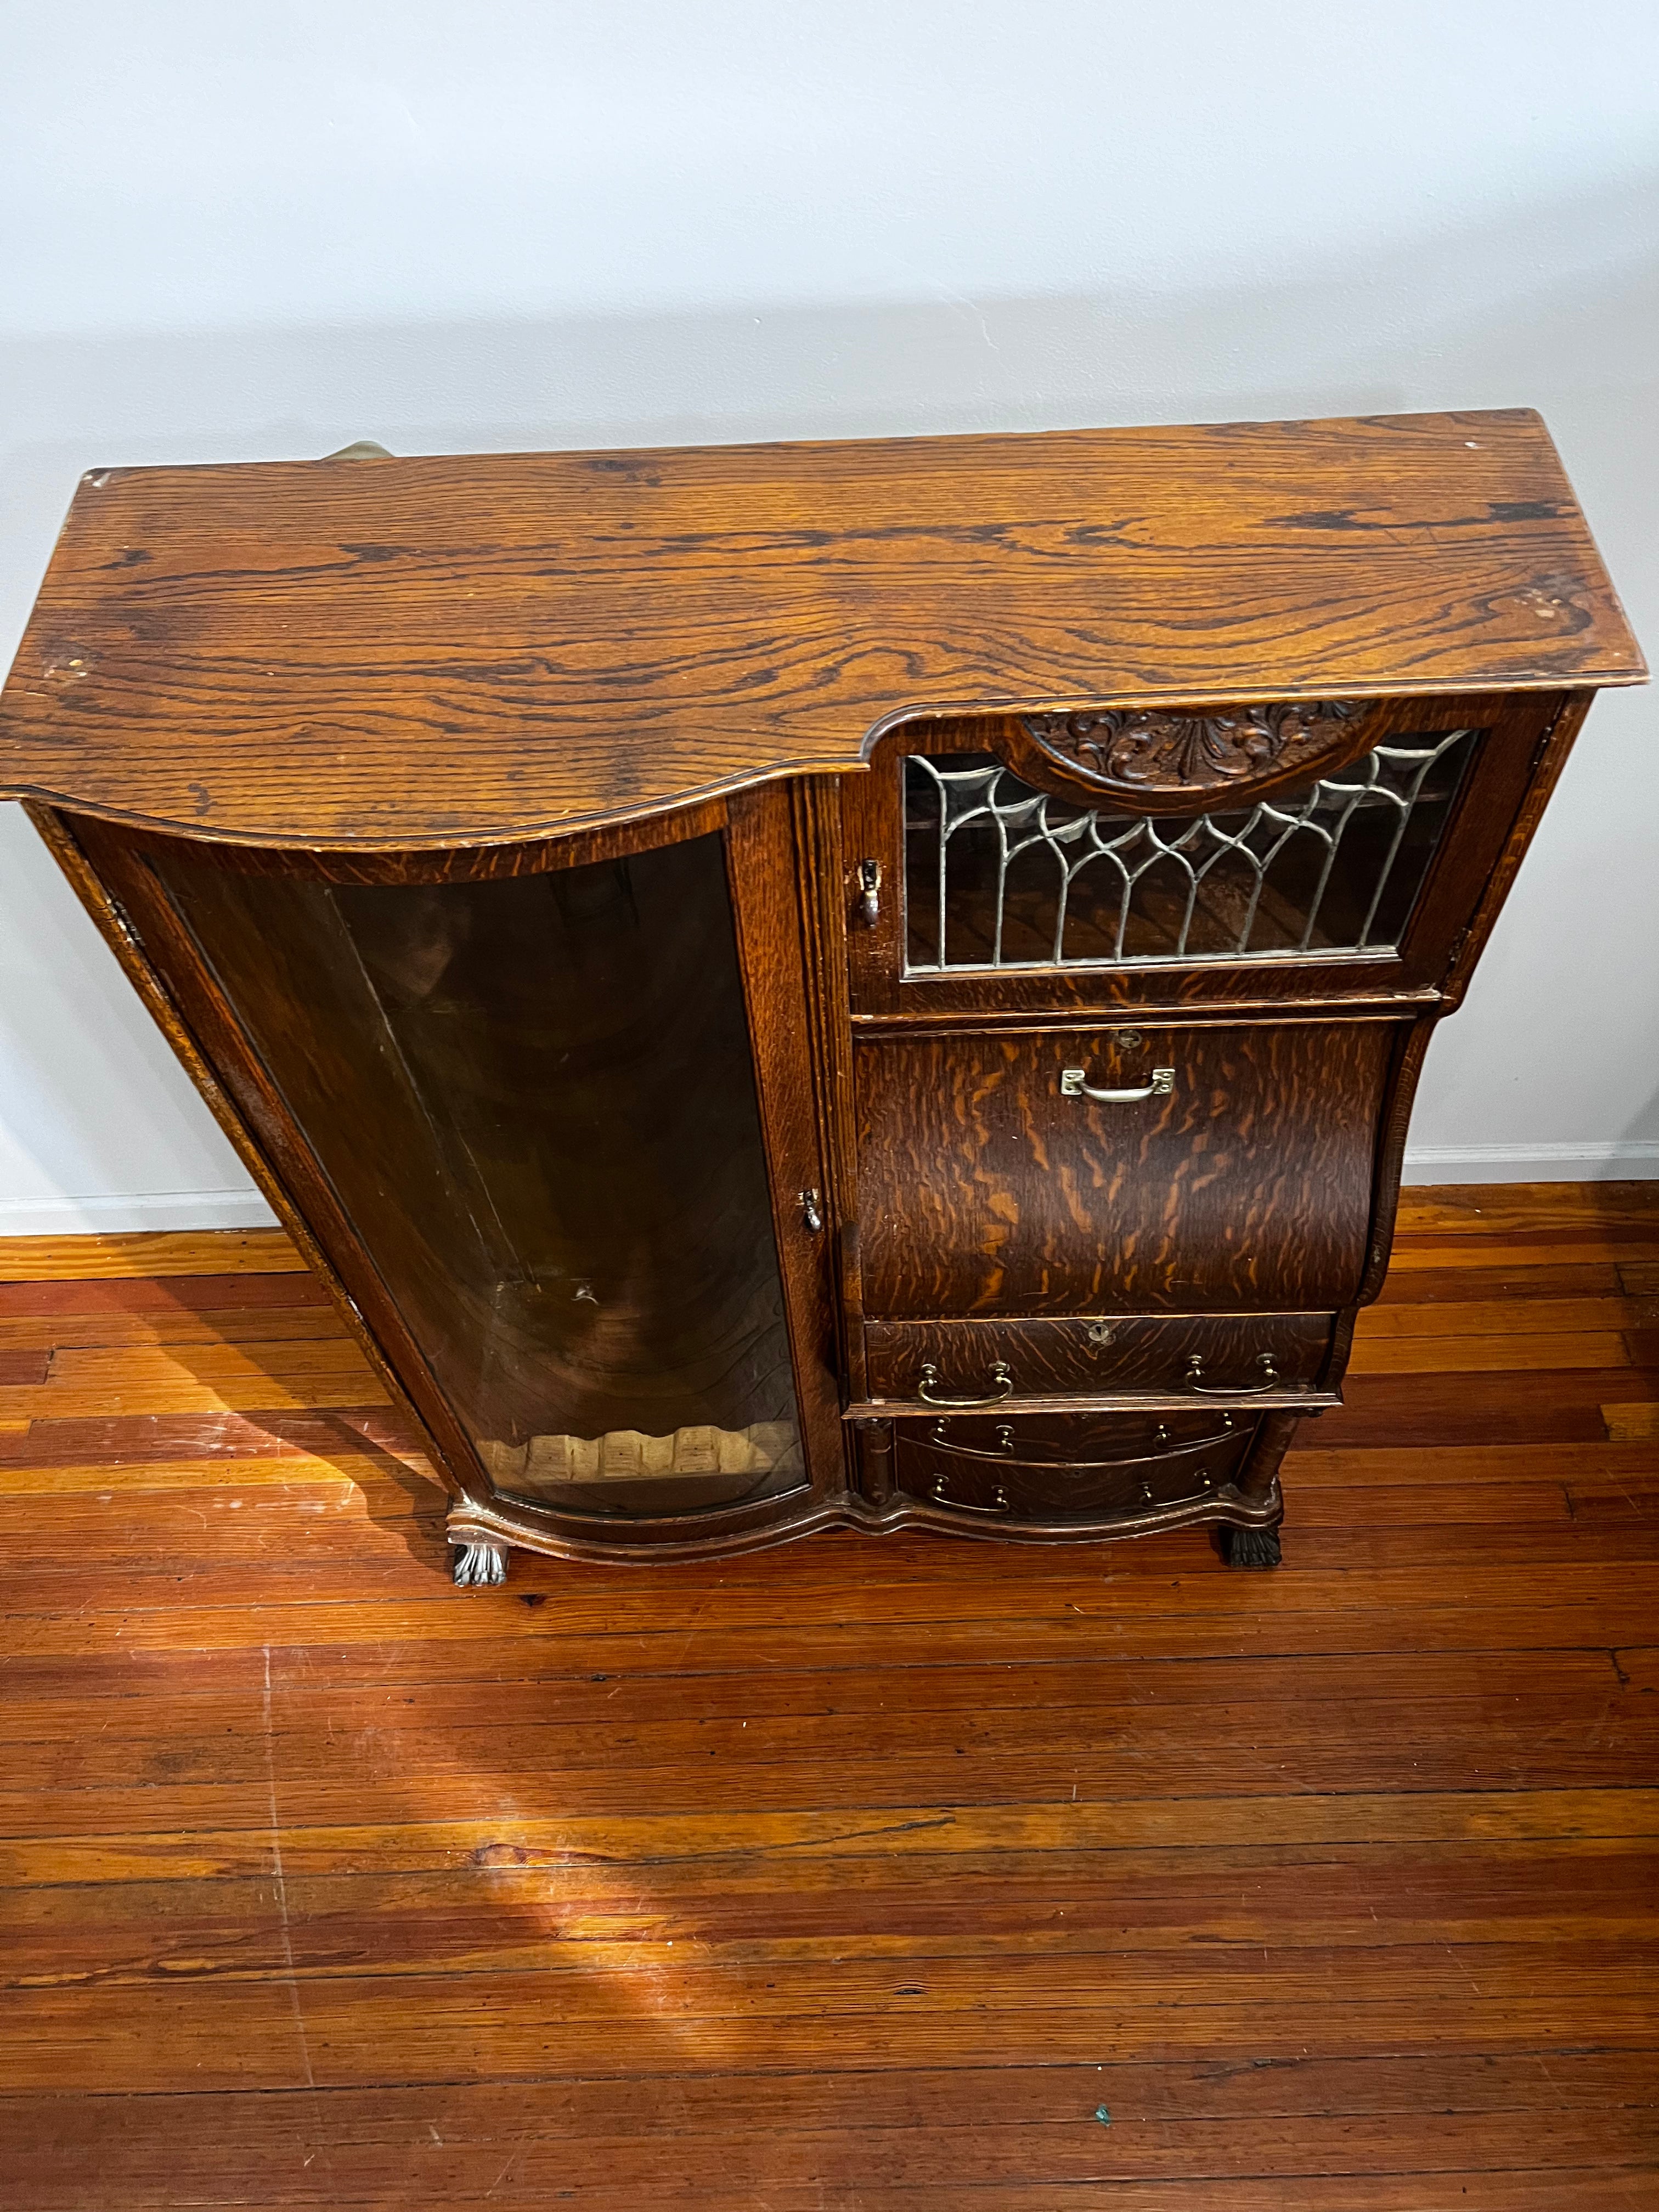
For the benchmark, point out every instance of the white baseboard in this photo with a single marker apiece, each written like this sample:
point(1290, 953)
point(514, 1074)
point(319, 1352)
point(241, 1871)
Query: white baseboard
point(114, 1217)
point(1632, 1160)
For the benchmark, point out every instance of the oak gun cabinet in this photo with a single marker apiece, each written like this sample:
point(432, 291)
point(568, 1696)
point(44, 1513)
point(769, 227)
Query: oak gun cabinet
point(874, 983)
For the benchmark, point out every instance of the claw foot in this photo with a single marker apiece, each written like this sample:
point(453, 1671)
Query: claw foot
point(1251, 1547)
point(476, 1562)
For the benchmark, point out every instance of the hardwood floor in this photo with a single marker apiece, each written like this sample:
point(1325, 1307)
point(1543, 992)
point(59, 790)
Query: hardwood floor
point(849, 1876)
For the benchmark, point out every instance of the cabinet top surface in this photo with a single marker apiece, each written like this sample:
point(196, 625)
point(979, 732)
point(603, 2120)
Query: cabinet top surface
point(416, 653)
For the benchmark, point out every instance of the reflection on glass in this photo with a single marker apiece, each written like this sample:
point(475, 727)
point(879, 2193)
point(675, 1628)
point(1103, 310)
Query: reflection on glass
point(999, 875)
point(534, 1099)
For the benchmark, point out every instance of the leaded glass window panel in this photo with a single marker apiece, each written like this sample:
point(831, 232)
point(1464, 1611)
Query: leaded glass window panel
point(999, 875)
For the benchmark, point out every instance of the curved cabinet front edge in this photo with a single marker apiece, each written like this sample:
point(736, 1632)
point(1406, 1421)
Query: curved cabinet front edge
point(131, 909)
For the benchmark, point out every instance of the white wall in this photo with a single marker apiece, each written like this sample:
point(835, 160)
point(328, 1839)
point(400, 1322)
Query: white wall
point(262, 231)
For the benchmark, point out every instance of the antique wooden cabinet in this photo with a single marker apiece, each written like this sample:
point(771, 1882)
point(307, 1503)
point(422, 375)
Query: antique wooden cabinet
point(875, 983)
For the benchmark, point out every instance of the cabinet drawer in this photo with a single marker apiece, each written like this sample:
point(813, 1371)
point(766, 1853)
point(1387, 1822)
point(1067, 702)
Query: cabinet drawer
point(1242, 1358)
point(991, 1183)
point(1016, 1484)
point(1071, 1439)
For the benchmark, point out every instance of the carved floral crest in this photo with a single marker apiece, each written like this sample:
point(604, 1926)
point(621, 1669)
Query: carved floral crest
point(1174, 751)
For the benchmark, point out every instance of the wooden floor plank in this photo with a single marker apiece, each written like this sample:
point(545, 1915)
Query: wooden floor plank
point(1046, 2126)
point(615, 2138)
point(721, 1754)
point(1521, 1210)
point(151, 1253)
point(1632, 1253)
point(1451, 1285)
point(1518, 1405)
point(1530, 1314)
point(359, 1474)
point(499, 1916)
point(1587, 1820)
point(73, 1296)
point(131, 1440)
point(1416, 1353)
point(1488, 1467)
point(853, 1877)
point(225, 2034)
point(196, 1379)
point(219, 1325)
point(785, 2140)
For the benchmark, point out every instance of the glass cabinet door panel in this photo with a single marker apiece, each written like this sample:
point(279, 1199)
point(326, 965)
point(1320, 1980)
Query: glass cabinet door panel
point(999, 875)
point(534, 1098)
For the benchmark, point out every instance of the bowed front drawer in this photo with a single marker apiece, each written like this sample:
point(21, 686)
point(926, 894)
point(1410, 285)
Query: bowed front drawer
point(1211, 1166)
point(1045, 1494)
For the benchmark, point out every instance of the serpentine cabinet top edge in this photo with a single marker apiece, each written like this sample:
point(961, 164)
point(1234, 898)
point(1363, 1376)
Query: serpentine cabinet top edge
point(383, 654)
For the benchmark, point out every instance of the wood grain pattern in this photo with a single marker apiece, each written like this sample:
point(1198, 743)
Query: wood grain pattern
point(1139, 1355)
point(846, 1878)
point(198, 626)
point(1014, 1489)
point(985, 1191)
point(147, 1253)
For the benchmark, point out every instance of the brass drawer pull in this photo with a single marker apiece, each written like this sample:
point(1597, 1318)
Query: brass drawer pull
point(1270, 1379)
point(1206, 1489)
point(998, 1499)
point(1000, 1376)
point(1072, 1086)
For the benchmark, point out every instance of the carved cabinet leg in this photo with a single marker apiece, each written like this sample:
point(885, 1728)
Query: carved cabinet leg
point(476, 1562)
point(876, 1460)
point(1258, 1545)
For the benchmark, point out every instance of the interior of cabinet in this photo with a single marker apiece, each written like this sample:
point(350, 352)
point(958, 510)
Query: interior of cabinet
point(535, 1101)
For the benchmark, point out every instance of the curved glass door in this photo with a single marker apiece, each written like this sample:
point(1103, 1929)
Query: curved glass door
point(534, 1099)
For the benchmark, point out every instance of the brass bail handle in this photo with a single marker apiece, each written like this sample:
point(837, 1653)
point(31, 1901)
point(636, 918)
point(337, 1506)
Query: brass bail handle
point(1001, 1376)
point(1075, 1084)
point(941, 1491)
point(1264, 1360)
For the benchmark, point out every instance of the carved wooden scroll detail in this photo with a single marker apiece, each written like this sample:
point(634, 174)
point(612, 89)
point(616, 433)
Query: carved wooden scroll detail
point(1187, 760)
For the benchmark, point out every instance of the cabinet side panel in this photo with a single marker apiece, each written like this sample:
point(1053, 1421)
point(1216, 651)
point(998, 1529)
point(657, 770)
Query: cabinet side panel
point(99, 866)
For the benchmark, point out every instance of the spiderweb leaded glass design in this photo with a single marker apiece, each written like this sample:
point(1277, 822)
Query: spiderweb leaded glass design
point(999, 875)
